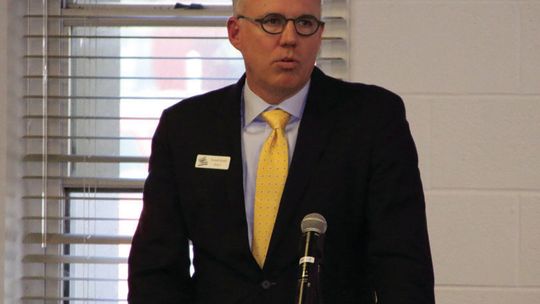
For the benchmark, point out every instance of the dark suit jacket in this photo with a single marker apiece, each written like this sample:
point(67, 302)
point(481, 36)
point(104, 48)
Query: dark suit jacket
point(355, 163)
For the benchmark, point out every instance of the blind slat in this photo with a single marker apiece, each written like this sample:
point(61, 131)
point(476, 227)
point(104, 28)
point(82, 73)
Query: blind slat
point(111, 10)
point(52, 137)
point(123, 184)
point(95, 199)
point(60, 259)
point(154, 21)
point(75, 97)
point(72, 279)
point(53, 238)
point(138, 57)
point(62, 77)
point(85, 158)
point(67, 117)
point(71, 218)
point(72, 299)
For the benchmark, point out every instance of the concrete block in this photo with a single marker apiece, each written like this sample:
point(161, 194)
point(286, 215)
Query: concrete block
point(487, 296)
point(530, 47)
point(474, 238)
point(529, 255)
point(486, 143)
point(419, 117)
point(436, 46)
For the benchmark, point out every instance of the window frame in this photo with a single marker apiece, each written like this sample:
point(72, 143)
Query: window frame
point(44, 260)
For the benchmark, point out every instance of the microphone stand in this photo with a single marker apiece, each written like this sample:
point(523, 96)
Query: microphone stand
point(308, 283)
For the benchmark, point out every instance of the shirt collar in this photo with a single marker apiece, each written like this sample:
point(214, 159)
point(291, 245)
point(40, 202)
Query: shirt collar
point(254, 105)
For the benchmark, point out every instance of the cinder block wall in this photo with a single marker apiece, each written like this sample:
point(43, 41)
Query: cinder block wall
point(469, 72)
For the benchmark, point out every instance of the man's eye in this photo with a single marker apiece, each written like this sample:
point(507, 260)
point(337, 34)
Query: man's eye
point(305, 22)
point(273, 20)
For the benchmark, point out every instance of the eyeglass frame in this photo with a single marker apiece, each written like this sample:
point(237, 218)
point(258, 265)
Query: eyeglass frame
point(294, 20)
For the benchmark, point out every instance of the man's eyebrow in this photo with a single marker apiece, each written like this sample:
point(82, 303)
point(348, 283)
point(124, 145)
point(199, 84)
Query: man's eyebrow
point(298, 16)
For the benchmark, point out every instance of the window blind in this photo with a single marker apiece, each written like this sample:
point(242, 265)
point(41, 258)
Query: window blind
point(98, 75)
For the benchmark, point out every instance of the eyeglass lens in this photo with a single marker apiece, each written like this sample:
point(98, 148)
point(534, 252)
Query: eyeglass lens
point(276, 23)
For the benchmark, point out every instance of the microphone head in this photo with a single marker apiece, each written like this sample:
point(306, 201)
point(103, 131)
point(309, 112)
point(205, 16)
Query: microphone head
point(313, 222)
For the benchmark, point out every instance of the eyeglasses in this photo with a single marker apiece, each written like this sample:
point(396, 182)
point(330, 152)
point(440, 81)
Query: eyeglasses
point(305, 25)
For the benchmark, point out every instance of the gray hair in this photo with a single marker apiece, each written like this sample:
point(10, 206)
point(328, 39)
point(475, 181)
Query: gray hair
point(236, 5)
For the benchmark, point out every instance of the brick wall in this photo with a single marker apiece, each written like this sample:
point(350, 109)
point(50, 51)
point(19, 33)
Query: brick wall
point(469, 72)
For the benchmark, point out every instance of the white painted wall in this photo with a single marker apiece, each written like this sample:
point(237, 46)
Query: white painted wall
point(469, 72)
point(11, 90)
point(3, 119)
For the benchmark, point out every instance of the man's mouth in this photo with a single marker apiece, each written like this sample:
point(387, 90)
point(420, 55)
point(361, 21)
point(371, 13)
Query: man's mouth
point(287, 59)
point(287, 63)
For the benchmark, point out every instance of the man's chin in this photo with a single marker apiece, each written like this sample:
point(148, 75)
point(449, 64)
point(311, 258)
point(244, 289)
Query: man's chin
point(292, 80)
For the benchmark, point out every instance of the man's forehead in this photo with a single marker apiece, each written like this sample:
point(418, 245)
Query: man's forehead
point(251, 4)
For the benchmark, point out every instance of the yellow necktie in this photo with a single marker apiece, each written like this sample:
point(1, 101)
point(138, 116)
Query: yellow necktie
point(271, 176)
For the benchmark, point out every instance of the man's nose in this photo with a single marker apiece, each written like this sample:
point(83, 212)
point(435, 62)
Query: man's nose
point(289, 36)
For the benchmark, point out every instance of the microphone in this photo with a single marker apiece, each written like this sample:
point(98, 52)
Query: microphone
point(313, 228)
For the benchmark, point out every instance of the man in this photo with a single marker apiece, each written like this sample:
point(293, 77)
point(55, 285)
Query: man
point(236, 183)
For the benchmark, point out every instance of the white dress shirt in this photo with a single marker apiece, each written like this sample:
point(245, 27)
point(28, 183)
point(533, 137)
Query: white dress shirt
point(255, 131)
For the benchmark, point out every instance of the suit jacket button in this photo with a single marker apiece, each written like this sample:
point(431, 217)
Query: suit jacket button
point(266, 284)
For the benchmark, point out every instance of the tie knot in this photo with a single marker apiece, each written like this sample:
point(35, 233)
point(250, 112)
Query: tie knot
point(277, 119)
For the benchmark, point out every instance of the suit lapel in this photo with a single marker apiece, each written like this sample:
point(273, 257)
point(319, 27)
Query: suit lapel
point(230, 130)
point(317, 121)
point(229, 113)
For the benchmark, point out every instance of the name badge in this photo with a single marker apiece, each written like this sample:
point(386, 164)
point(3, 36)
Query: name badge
point(215, 162)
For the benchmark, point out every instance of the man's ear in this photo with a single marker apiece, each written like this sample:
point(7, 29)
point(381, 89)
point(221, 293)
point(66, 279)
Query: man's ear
point(233, 31)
